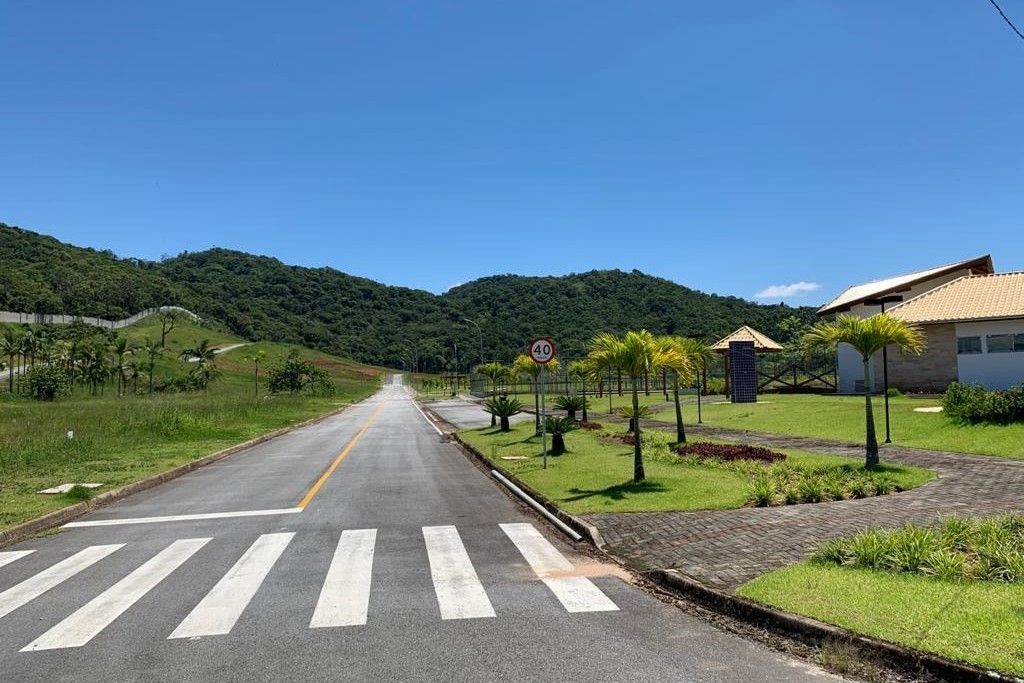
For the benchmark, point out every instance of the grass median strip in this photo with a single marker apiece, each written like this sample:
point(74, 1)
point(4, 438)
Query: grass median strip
point(595, 474)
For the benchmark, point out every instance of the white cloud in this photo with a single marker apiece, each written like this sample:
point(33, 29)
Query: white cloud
point(786, 291)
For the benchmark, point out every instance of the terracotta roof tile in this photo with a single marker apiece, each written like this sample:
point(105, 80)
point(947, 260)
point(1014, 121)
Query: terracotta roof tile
point(972, 297)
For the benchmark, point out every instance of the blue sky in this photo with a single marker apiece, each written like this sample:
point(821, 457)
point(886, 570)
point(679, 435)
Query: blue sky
point(730, 147)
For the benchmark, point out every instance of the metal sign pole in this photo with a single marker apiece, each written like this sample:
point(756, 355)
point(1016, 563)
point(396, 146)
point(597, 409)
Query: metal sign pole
point(543, 408)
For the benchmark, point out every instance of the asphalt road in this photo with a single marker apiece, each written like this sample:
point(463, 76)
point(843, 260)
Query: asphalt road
point(404, 564)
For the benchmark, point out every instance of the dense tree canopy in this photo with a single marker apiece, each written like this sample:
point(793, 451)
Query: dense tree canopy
point(261, 298)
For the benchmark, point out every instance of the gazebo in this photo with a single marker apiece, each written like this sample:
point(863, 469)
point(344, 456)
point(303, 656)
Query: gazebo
point(762, 344)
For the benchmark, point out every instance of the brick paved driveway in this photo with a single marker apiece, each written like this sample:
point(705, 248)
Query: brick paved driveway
point(726, 548)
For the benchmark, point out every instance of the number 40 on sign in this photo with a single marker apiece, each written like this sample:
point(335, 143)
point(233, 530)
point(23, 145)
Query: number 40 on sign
point(542, 350)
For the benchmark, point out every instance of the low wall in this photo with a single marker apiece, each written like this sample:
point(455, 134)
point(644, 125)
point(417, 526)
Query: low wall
point(59, 319)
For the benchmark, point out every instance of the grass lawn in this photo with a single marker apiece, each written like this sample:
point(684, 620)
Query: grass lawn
point(121, 440)
point(596, 476)
point(842, 418)
point(977, 622)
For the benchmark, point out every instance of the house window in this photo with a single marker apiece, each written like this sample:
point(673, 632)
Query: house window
point(968, 345)
point(1000, 343)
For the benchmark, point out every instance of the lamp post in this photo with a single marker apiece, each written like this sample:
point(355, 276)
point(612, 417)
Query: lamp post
point(481, 333)
point(882, 301)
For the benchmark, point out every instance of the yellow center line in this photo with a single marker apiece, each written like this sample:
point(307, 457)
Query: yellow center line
point(337, 461)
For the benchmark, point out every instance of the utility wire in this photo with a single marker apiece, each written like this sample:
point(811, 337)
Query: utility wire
point(1006, 18)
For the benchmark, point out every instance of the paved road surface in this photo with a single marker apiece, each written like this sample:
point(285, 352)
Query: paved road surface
point(405, 564)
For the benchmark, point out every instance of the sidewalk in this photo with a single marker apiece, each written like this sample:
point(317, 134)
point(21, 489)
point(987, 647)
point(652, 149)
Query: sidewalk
point(726, 548)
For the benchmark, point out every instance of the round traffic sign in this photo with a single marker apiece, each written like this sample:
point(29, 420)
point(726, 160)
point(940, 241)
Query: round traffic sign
point(542, 350)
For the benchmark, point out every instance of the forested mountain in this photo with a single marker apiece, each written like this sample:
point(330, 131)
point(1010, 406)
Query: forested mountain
point(261, 298)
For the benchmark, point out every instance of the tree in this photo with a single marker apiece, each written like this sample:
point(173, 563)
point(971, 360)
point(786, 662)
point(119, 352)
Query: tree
point(868, 336)
point(524, 366)
point(120, 350)
point(570, 404)
point(579, 369)
point(10, 346)
point(152, 350)
point(636, 354)
point(558, 427)
point(169, 319)
point(495, 372)
point(255, 358)
point(503, 407)
point(204, 356)
point(294, 375)
point(697, 354)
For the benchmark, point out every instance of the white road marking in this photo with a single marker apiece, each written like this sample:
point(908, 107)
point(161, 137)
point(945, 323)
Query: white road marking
point(12, 555)
point(31, 588)
point(218, 612)
point(83, 625)
point(345, 596)
point(429, 421)
point(460, 595)
point(576, 593)
point(182, 518)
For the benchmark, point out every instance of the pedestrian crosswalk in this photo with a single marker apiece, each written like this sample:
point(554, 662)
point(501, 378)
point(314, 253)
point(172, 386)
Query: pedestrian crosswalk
point(345, 591)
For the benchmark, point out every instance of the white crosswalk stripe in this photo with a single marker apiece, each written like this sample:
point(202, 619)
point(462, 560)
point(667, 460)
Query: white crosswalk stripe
point(460, 595)
point(31, 588)
point(222, 606)
point(11, 556)
point(82, 626)
point(345, 596)
point(576, 593)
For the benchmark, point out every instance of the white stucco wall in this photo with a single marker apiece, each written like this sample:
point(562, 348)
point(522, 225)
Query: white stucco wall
point(993, 370)
point(850, 369)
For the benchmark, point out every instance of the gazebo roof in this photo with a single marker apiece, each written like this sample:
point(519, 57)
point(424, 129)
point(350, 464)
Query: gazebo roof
point(762, 342)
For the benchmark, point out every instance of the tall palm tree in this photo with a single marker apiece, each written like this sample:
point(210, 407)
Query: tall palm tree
point(697, 354)
point(205, 359)
point(524, 366)
point(580, 369)
point(636, 354)
point(868, 336)
point(120, 349)
point(10, 346)
point(256, 358)
point(153, 350)
point(493, 371)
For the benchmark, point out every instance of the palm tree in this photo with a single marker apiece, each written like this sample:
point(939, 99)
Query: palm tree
point(524, 366)
point(120, 349)
point(205, 359)
point(255, 358)
point(868, 336)
point(579, 369)
point(504, 408)
point(495, 372)
point(10, 346)
point(636, 354)
point(153, 350)
point(697, 354)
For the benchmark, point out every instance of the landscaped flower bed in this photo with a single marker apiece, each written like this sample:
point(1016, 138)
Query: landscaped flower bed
point(729, 451)
point(588, 426)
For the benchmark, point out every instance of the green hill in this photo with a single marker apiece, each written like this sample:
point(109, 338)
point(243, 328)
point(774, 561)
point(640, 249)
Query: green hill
point(261, 298)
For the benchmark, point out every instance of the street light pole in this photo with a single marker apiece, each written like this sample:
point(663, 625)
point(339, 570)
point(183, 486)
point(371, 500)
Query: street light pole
point(882, 301)
point(481, 333)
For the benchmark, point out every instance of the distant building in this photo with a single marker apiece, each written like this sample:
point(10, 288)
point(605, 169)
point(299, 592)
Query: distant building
point(973, 320)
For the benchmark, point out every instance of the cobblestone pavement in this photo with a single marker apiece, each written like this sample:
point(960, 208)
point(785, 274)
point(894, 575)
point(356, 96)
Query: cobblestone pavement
point(727, 548)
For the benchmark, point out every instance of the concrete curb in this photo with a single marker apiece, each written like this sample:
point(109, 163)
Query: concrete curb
point(815, 632)
point(60, 517)
point(588, 531)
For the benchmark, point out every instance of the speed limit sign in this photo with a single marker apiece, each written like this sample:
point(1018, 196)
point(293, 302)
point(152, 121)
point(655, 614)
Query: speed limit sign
point(542, 350)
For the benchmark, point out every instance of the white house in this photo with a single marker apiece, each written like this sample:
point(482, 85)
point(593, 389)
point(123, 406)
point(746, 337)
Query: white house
point(872, 297)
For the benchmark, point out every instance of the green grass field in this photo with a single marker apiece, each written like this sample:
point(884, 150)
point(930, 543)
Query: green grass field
point(120, 440)
point(842, 418)
point(977, 622)
point(596, 476)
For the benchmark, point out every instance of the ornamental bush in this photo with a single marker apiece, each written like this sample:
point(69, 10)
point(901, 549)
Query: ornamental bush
point(728, 451)
point(971, 404)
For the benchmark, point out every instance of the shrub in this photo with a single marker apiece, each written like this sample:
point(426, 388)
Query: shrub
point(295, 375)
point(570, 404)
point(810, 489)
point(972, 404)
point(47, 382)
point(588, 426)
point(558, 427)
point(761, 493)
point(714, 387)
point(503, 408)
point(724, 452)
point(791, 495)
